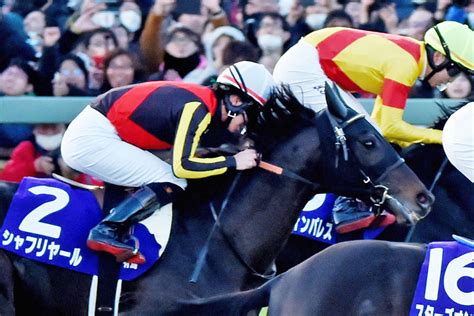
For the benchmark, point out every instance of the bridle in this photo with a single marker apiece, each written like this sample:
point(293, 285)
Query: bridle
point(378, 194)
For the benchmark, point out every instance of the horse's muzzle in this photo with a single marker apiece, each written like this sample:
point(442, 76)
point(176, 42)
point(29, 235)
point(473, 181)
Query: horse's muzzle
point(411, 216)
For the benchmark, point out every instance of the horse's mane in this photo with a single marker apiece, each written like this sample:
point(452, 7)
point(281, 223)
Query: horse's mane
point(283, 115)
point(446, 112)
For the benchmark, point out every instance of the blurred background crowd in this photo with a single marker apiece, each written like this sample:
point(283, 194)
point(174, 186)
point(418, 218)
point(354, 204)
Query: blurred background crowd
point(86, 47)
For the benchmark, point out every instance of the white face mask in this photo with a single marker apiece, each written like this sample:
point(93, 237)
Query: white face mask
point(316, 20)
point(131, 20)
point(49, 142)
point(104, 19)
point(270, 43)
point(442, 86)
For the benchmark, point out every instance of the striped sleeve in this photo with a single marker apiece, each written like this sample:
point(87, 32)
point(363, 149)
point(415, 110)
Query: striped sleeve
point(396, 130)
point(194, 120)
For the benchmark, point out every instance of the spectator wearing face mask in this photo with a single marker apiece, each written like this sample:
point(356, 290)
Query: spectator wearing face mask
point(128, 26)
point(40, 157)
point(34, 25)
point(317, 12)
point(272, 35)
point(158, 38)
point(182, 59)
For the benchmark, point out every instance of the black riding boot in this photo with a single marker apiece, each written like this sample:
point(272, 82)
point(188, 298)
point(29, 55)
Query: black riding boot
point(349, 214)
point(111, 234)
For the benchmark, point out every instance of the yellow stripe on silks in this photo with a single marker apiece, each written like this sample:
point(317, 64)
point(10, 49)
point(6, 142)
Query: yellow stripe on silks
point(400, 132)
point(178, 150)
point(202, 127)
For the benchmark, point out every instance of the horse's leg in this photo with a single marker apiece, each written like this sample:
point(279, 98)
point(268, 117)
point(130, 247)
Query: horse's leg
point(6, 286)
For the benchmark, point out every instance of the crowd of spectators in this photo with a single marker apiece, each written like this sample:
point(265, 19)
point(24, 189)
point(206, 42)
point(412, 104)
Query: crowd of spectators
point(84, 48)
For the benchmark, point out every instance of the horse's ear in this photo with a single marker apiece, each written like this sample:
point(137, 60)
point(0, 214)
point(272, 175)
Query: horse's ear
point(334, 101)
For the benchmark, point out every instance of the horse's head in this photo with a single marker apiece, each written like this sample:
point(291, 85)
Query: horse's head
point(392, 184)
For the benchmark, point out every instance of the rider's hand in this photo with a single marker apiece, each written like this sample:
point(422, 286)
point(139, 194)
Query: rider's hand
point(44, 164)
point(246, 159)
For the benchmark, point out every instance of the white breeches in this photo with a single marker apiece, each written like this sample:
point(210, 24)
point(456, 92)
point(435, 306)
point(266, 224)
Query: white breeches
point(458, 140)
point(92, 145)
point(299, 67)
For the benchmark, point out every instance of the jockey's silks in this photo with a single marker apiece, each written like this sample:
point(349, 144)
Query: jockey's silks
point(379, 63)
point(160, 115)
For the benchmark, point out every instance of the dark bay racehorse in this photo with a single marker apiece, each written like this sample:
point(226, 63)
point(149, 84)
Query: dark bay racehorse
point(452, 211)
point(335, 150)
point(361, 277)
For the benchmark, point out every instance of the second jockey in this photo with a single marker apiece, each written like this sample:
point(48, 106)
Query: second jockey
point(111, 138)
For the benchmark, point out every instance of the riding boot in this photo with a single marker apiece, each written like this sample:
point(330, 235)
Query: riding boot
point(349, 215)
point(111, 234)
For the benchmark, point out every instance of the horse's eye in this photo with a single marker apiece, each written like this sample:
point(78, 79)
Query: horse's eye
point(369, 144)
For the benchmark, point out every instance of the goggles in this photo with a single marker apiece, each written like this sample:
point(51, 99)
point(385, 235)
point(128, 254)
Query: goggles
point(234, 110)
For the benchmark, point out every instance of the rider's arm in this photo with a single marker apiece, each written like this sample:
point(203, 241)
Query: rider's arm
point(388, 113)
point(194, 120)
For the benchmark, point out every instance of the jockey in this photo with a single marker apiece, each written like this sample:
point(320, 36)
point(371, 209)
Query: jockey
point(382, 64)
point(458, 140)
point(111, 137)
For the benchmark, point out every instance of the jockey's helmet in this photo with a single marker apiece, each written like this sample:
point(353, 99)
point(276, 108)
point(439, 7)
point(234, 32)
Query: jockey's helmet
point(456, 42)
point(252, 82)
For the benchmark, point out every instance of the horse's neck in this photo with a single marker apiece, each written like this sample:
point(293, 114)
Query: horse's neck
point(259, 216)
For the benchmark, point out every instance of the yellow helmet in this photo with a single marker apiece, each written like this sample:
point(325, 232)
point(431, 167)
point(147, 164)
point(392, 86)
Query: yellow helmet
point(455, 41)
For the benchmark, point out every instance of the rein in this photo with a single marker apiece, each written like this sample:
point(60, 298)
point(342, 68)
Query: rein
point(202, 254)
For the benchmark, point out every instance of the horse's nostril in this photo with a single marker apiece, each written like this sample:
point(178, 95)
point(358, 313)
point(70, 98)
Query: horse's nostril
point(424, 199)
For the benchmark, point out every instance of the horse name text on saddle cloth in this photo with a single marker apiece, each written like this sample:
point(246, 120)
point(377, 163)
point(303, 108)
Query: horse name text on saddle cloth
point(49, 221)
point(446, 282)
point(315, 220)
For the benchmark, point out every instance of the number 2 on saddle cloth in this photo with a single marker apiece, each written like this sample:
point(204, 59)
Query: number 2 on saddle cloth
point(49, 221)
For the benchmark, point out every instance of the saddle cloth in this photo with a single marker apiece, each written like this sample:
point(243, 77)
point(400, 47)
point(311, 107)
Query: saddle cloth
point(49, 221)
point(446, 282)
